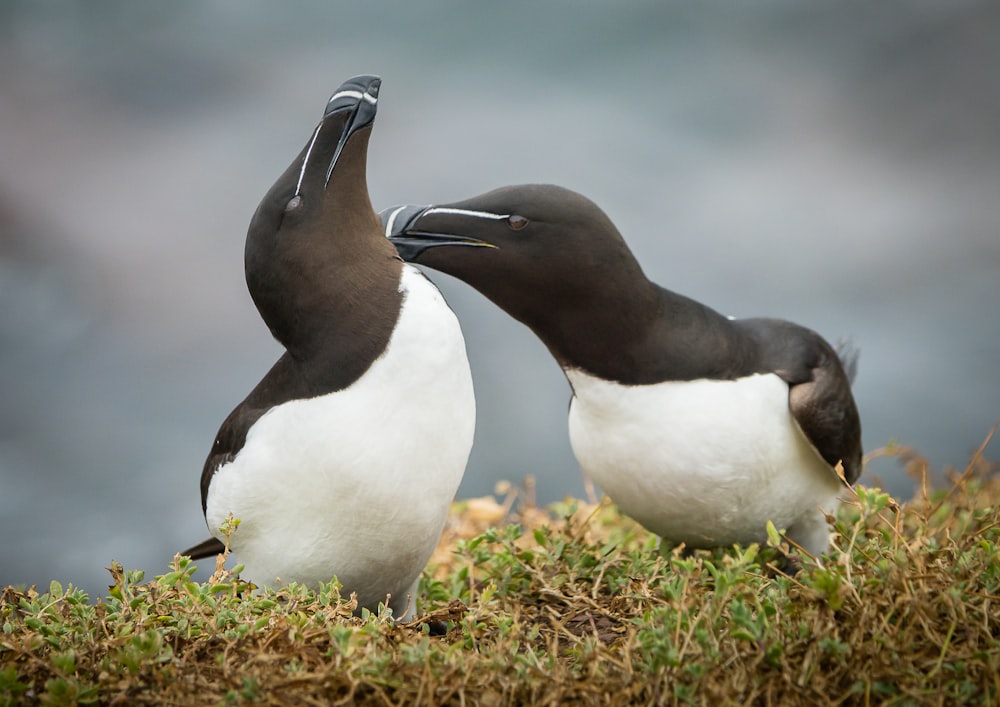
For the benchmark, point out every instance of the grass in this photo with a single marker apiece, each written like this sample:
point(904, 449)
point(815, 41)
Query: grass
point(573, 604)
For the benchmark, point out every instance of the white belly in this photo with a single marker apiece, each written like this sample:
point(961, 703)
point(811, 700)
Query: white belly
point(358, 483)
point(703, 462)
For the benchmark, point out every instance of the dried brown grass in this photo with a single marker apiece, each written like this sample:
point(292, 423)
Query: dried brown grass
point(570, 605)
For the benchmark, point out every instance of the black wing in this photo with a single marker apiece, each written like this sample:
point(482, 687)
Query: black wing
point(281, 384)
point(819, 395)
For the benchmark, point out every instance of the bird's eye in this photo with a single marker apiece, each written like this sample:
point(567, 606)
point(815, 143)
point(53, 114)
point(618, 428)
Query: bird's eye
point(517, 222)
point(293, 203)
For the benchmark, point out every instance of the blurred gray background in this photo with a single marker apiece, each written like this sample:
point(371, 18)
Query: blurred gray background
point(835, 164)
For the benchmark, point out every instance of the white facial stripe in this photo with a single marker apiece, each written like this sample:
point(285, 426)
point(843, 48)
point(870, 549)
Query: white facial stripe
point(392, 221)
point(465, 212)
point(305, 160)
point(367, 97)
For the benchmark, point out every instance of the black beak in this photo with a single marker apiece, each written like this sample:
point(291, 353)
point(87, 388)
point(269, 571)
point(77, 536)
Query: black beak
point(402, 229)
point(359, 95)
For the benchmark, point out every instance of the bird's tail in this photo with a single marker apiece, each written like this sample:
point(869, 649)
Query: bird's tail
point(207, 548)
point(848, 353)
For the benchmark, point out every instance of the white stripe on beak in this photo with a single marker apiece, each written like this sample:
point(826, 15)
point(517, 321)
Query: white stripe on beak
point(392, 220)
point(367, 97)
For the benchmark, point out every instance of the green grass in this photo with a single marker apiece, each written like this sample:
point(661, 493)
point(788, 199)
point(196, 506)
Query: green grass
point(574, 604)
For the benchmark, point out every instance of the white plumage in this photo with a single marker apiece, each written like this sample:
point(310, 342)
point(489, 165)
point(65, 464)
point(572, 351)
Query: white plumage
point(358, 483)
point(709, 461)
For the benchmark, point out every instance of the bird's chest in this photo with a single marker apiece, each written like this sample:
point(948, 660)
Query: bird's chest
point(680, 455)
point(364, 472)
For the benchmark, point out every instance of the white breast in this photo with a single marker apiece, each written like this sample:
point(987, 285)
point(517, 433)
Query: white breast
point(703, 462)
point(358, 483)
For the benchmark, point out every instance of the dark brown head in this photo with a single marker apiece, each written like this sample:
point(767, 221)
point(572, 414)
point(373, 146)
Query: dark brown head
point(314, 249)
point(546, 255)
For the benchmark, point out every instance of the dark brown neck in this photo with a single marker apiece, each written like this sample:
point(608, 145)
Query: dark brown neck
point(647, 335)
point(330, 294)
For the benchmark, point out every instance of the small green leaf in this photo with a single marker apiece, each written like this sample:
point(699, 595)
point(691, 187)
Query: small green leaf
point(773, 536)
